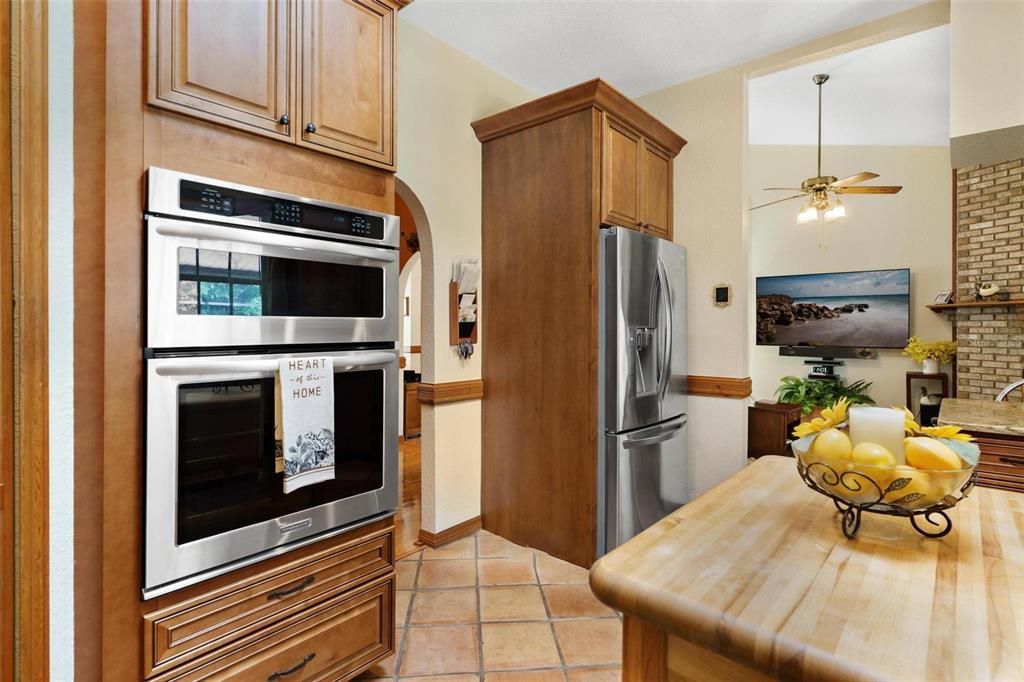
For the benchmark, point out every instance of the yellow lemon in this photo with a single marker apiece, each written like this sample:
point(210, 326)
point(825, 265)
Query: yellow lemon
point(872, 454)
point(929, 453)
point(915, 489)
point(876, 463)
point(832, 445)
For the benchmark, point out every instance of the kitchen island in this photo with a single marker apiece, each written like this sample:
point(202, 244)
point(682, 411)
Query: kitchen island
point(754, 580)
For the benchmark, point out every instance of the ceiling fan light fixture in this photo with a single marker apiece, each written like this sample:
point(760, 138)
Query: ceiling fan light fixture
point(837, 212)
point(807, 214)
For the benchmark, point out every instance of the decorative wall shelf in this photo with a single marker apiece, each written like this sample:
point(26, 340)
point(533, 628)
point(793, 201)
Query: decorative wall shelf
point(1009, 303)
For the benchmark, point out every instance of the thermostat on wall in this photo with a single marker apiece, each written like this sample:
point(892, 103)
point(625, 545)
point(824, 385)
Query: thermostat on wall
point(722, 295)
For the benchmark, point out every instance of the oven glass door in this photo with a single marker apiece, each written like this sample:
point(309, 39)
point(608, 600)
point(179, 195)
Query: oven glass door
point(212, 285)
point(214, 490)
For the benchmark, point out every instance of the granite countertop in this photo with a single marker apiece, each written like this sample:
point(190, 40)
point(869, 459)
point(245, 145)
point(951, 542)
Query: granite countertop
point(986, 416)
point(758, 570)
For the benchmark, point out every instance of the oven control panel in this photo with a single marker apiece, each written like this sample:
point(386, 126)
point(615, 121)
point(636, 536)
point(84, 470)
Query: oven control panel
point(224, 201)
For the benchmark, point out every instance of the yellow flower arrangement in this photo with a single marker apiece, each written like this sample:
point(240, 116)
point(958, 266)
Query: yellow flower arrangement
point(830, 417)
point(915, 429)
point(943, 351)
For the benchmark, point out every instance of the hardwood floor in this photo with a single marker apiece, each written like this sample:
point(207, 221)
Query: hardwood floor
point(407, 521)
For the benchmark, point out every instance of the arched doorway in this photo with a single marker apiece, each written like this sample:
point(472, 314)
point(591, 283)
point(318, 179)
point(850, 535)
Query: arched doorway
point(416, 308)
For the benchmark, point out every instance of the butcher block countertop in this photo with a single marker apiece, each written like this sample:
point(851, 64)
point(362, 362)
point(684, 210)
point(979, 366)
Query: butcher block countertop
point(758, 571)
point(985, 416)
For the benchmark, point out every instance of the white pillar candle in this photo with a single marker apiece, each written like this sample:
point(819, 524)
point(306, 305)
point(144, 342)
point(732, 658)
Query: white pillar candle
point(881, 425)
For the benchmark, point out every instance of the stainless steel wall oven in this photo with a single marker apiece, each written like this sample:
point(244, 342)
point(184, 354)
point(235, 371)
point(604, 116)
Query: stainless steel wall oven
point(237, 279)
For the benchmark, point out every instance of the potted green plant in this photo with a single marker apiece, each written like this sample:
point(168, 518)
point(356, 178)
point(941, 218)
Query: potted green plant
point(812, 395)
point(931, 354)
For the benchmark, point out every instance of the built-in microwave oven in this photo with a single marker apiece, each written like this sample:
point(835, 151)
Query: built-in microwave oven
point(215, 498)
point(234, 266)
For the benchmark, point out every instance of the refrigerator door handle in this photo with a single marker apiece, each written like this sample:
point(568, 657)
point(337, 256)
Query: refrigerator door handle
point(666, 354)
point(666, 432)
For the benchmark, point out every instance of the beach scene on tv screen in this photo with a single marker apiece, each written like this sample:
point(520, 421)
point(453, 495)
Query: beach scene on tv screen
point(869, 309)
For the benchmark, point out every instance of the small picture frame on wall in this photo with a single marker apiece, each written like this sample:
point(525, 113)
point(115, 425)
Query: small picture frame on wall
point(721, 296)
point(944, 296)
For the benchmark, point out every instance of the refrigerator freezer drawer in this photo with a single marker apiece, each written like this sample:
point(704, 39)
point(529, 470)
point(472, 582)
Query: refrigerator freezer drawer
point(647, 477)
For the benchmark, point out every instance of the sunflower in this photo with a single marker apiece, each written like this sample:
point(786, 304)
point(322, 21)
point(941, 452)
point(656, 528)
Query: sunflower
point(830, 417)
point(948, 432)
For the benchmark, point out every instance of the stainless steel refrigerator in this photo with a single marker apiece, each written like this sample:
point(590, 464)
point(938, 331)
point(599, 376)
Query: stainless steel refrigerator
point(643, 467)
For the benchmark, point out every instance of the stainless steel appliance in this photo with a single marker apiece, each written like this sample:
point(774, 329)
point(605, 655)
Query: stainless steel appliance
point(230, 265)
point(643, 466)
point(237, 279)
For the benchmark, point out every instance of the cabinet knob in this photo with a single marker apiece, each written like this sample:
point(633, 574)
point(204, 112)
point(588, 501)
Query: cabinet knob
point(311, 127)
point(284, 120)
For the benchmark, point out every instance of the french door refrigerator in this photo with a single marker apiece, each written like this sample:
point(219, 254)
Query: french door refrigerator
point(643, 468)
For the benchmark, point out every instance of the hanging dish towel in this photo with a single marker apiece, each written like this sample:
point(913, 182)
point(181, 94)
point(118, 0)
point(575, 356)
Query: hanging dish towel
point(306, 398)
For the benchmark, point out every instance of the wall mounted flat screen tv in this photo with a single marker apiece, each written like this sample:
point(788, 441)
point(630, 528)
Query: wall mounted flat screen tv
point(866, 309)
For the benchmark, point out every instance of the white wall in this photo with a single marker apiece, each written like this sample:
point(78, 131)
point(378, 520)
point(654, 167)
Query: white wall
point(909, 229)
point(987, 65)
point(413, 292)
point(711, 222)
point(61, 337)
point(441, 91)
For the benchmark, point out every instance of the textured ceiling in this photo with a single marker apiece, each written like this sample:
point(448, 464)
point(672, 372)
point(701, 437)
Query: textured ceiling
point(639, 46)
point(893, 93)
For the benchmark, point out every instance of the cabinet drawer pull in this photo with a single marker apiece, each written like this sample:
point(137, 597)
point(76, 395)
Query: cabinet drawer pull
point(1012, 461)
point(294, 669)
point(284, 120)
point(302, 584)
point(310, 127)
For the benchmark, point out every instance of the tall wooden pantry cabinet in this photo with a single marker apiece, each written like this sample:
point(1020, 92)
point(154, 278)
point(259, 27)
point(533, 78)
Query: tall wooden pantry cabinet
point(554, 171)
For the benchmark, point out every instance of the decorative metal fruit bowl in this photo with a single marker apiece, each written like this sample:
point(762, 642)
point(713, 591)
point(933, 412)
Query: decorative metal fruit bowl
point(931, 471)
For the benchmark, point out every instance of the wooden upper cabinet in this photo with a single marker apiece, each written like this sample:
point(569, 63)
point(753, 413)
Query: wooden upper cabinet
point(620, 174)
point(228, 62)
point(636, 179)
point(347, 78)
point(317, 73)
point(656, 191)
point(633, 152)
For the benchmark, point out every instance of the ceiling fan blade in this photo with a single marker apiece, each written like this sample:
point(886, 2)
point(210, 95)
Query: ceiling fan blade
point(877, 189)
point(777, 201)
point(854, 179)
point(783, 189)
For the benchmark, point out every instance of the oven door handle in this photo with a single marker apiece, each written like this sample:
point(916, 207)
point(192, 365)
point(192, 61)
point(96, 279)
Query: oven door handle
point(213, 366)
point(181, 228)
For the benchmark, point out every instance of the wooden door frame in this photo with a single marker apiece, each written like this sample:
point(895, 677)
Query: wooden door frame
point(6, 363)
point(24, 394)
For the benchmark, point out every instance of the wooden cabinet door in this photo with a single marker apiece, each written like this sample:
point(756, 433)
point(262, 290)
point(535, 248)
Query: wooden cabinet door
point(656, 191)
point(620, 174)
point(348, 79)
point(413, 416)
point(227, 62)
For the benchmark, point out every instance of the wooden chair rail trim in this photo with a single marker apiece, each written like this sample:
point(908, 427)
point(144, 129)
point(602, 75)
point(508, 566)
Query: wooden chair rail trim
point(451, 392)
point(594, 93)
point(719, 387)
point(461, 530)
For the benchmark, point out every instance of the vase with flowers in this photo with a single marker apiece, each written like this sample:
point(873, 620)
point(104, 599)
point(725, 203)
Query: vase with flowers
point(931, 354)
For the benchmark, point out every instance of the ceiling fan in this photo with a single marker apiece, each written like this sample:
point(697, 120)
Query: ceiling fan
point(819, 190)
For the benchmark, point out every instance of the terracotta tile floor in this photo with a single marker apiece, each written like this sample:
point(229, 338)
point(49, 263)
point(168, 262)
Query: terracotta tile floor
point(483, 609)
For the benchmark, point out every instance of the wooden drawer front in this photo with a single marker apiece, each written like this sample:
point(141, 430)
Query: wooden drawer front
point(334, 641)
point(1002, 462)
point(184, 631)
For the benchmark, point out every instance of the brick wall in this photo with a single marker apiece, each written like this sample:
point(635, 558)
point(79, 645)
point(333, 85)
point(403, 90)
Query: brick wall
point(989, 247)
